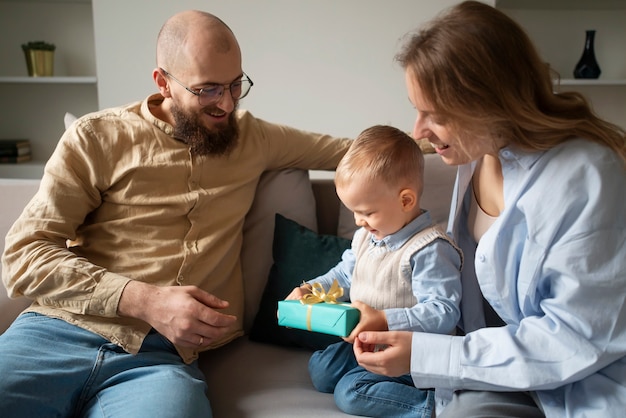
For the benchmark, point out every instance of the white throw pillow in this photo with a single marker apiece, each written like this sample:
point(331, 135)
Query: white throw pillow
point(68, 119)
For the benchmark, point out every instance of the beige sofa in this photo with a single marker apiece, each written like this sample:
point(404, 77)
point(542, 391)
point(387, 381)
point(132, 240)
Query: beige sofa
point(248, 378)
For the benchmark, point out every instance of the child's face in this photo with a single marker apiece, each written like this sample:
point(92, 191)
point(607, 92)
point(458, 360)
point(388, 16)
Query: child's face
point(376, 207)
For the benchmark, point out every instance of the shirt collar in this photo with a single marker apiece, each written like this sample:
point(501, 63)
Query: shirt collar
point(152, 100)
point(398, 239)
point(526, 159)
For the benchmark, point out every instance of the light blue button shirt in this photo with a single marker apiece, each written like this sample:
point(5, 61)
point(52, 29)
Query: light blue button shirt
point(434, 280)
point(553, 266)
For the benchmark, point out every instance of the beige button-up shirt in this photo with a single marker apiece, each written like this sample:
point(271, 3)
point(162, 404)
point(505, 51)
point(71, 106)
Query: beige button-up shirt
point(135, 205)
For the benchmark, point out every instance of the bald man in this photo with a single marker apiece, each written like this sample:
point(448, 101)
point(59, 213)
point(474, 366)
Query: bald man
point(151, 197)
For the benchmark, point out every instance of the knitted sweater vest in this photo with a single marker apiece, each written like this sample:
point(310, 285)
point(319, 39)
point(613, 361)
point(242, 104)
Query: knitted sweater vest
point(382, 277)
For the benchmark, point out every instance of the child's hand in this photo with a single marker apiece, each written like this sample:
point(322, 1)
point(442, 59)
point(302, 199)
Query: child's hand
point(299, 292)
point(371, 320)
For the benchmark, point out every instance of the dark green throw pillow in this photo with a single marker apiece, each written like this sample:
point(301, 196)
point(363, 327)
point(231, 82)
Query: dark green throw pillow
point(299, 254)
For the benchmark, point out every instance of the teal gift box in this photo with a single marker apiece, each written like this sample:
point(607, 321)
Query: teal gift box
point(328, 318)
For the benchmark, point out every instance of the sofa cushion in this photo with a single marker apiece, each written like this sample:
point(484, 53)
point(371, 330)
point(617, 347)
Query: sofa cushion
point(287, 192)
point(299, 254)
point(248, 379)
point(16, 193)
point(438, 184)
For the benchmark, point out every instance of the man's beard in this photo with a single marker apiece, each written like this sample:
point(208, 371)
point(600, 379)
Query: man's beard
point(202, 140)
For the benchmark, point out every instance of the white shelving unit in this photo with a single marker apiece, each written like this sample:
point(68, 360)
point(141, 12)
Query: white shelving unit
point(579, 82)
point(558, 28)
point(34, 107)
point(48, 80)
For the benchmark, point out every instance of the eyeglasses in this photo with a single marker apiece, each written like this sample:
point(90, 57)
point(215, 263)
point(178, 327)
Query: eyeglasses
point(214, 92)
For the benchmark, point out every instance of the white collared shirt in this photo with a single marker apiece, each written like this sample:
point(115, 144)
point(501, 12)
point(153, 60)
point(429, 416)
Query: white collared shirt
point(553, 266)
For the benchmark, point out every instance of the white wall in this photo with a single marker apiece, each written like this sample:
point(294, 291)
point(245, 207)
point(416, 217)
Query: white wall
point(323, 65)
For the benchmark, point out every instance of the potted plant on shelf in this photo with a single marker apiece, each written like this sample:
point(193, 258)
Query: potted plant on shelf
point(39, 58)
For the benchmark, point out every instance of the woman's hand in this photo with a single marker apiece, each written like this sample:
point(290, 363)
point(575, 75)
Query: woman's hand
point(387, 353)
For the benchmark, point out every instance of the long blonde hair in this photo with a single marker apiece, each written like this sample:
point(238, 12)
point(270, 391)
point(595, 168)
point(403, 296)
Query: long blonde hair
point(479, 70)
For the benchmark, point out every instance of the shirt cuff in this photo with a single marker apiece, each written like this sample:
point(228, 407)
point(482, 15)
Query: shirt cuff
point(435, 360)
point(397, 319)
point(106, 297)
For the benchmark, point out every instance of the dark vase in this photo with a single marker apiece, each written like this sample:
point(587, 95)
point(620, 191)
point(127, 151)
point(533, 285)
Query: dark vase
point(587, 66)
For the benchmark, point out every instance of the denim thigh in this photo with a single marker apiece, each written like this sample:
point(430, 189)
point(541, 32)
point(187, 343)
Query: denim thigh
point(55, 369)
point(327, 366)
point(360, 392)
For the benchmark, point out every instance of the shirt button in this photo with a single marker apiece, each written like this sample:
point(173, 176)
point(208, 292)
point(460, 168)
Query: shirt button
point(481, 258)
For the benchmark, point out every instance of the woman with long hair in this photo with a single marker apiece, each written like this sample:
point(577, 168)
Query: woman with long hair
point(539, 211)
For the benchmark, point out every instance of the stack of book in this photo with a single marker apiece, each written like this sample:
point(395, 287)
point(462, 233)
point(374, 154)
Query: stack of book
point(14, 150)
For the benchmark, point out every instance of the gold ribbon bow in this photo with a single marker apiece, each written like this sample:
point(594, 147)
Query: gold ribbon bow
point(318, 294)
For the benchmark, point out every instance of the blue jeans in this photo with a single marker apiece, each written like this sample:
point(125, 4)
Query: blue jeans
point(359, 392)
point(50, 368)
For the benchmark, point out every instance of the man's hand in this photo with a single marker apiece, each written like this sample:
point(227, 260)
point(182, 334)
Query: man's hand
point(387, 353)
point(185, 315)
